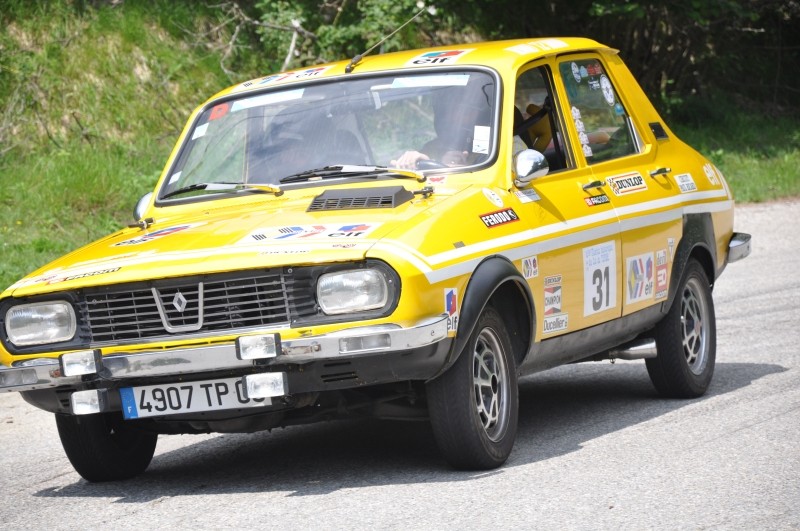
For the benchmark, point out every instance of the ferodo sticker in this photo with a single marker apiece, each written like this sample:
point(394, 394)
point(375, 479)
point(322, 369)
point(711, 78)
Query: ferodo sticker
point(627, 183)
point(438, 58)
point(499, 217)
point(451, 308)
point(594, 200)
point(639, 285)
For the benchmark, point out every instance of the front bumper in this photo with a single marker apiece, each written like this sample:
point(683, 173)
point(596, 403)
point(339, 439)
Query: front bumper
point(315, 363)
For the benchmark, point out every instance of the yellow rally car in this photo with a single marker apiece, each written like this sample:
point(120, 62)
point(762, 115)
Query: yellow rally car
point(400, 236)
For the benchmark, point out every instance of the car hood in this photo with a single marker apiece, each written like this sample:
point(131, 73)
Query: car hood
point(270, 232)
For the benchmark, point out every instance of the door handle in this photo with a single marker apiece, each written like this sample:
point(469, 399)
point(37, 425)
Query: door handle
point(593, 184)
point(660, 171)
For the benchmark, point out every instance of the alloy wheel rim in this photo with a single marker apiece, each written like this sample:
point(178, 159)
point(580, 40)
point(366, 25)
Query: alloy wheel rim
point(694, 325)
point(490, 381)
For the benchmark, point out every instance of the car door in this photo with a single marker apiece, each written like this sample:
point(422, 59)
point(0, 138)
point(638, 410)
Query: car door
point(575, 271)
point(627, 169)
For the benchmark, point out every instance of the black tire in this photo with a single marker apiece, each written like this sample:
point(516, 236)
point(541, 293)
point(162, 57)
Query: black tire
point(474, 405)
point(686, 339)
point(103, 447)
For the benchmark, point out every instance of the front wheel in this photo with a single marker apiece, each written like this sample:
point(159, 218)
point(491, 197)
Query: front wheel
point(102, 447)
point(473, 406)
point(686, 339)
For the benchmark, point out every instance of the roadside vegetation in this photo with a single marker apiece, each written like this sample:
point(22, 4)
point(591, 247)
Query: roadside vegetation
point(93, 95)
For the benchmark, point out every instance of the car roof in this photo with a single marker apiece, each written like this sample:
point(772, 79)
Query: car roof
point(500, 55)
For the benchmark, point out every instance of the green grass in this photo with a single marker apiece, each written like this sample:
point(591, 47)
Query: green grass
point(91, 102)
point(757, 149)
point(92, 99)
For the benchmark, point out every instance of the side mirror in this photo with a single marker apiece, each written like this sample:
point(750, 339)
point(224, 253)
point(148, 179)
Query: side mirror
point(141, 207)
point(528, 165)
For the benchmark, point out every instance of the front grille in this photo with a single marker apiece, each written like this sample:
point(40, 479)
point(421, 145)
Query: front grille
point(231, 301)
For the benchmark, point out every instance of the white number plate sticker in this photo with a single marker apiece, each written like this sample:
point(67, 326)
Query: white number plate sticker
point(186, 397)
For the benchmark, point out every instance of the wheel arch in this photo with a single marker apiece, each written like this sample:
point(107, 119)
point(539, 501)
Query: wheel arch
point(497, 282)
point(697, 243)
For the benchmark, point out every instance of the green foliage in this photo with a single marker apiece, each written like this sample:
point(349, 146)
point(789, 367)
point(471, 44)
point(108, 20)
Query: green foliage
point(93, 93)
point(758, 152)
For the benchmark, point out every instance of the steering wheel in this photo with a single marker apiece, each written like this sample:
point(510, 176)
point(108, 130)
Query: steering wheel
point(428, 164)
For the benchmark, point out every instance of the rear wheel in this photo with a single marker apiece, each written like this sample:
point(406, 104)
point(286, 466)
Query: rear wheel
point(473, 406)
point(686, 339)
point(103, 447)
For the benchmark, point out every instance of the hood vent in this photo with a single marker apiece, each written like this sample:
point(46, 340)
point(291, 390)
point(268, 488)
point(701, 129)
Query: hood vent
point(385, 197)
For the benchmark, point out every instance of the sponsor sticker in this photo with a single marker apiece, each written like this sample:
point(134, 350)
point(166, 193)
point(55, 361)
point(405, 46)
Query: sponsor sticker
point(218, 111)
point(293, 76)
point(438, 58)
point(640, 278)
point(553, 280)
point(661, 274)
point(500, 217)
point(685, 183)
point(555, 323)
point(595, 200)
point(627, 183)
point(710, 174)
point(530, 267)
point(355, 230)
point(153, 235)
point(528, 195)
point(451, 308)
point(552, 300)
point(599, 278)
point(608, 91)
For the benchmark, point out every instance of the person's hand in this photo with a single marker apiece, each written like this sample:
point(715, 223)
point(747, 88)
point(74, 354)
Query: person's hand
point(408, 160)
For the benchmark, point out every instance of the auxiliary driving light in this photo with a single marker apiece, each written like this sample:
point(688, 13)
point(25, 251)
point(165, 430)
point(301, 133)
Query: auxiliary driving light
point(80, 363)
point(265, 385)
point(258, 347)
point(89, 402)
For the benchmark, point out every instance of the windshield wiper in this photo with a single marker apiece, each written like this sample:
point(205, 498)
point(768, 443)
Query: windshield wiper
point(224, 187)
point(350, 170)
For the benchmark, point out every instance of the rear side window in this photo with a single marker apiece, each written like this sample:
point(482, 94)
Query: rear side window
point(604, 127)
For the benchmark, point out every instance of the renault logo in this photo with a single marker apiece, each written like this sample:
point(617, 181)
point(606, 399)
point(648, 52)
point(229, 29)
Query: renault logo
point(179, 301)
point(190, 321)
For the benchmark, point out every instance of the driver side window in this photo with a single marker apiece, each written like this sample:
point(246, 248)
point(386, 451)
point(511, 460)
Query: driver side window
point(536, 125)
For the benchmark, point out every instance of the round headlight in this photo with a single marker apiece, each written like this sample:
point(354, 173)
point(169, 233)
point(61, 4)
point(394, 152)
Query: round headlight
point(352, 291)
point(40, 323)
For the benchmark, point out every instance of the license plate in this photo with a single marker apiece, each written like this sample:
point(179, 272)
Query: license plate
point(186, 397)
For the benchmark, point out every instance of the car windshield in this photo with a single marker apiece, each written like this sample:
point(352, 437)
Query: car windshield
point(262, 138)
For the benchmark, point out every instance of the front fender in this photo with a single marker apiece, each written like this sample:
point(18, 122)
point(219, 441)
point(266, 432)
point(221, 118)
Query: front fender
point(496, 280)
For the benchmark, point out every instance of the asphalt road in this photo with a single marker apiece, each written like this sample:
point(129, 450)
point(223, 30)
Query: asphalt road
point(596, 447)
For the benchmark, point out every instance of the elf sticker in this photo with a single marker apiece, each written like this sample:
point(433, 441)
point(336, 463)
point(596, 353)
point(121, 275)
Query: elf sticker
point(451, 309)
point(438, 58)
point(639, 284)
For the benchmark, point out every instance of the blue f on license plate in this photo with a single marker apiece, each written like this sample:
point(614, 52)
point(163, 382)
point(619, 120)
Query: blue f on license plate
point(186, 397)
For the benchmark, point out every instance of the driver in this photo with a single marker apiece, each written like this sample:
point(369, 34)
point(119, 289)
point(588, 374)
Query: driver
point(456, 116)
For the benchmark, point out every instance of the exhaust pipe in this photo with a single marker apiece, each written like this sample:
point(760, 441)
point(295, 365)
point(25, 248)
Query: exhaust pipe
point(636, 350)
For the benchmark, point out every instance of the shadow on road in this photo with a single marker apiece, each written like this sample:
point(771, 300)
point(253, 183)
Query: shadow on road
point(560, 410)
